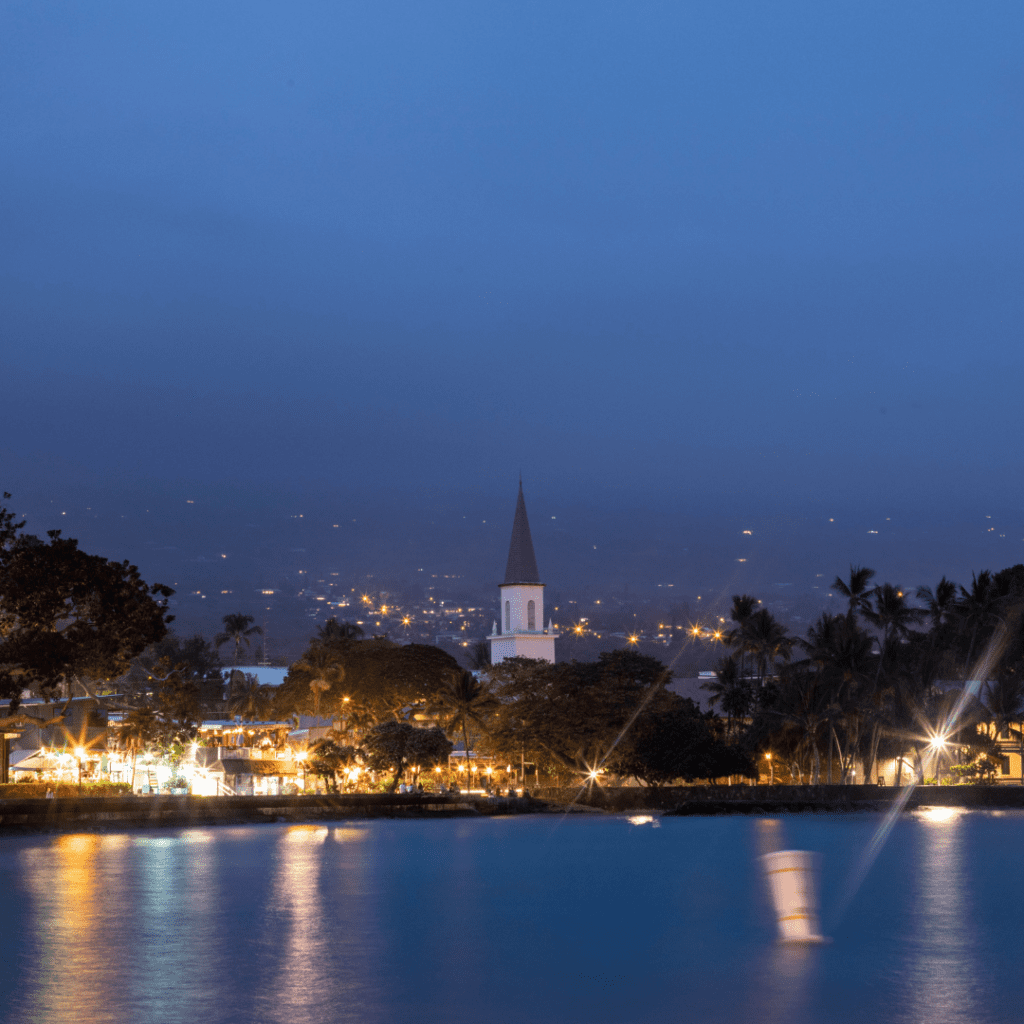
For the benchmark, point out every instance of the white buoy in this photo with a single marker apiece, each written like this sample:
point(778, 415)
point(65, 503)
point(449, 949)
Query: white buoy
point(790, 876)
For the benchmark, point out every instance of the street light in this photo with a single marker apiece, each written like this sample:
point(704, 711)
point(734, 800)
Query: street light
point(771, 769)
point(938, 744)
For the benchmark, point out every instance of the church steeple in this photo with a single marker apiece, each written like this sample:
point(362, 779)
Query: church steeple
point(522, 562)
point(521, 633)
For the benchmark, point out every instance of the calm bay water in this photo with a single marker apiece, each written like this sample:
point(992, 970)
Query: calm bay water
point(501, 921)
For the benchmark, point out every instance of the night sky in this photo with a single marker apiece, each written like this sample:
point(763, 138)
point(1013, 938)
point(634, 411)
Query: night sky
point(691, 268)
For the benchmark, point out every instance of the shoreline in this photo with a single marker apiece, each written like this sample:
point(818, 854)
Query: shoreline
point(68, 814)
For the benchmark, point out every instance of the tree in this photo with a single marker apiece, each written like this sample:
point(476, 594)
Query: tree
point(381, 680)
point(480, 656)
point(856, 590)
point(251, 701)
point(462, 702)
point(237, 630)
point(939, 603)
point(978, 610)
point(767, 641)
point(333, 632)
point(802, 701)
point(66, 615)
point(193, 661)
point(887, 610)
point(841, 652)
point(328, 758)
point(730, 691)
point(321, 669)
point(139, 729)
point(678, 742)
point(743, 606)
point(394, 746)
point(574, 714)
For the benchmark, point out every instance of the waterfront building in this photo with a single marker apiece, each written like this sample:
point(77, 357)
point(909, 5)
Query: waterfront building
point(520, 633)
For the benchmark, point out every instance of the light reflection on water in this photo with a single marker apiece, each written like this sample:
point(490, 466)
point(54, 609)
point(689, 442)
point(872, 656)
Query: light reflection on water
point(508, 920)
point(296, 927)
point(943, 968)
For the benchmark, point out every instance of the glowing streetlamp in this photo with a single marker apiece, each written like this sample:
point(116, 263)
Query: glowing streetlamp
point(771, 769)
point(937, 745)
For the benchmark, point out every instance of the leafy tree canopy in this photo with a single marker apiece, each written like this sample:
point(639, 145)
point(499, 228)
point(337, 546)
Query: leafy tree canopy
point(394, 746)
point(65, 614)
point(677, 742)
point(573, 712)
point(381, 680)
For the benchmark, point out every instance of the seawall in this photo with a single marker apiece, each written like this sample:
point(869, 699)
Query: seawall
point(65, 814)
point(780, 799)
point(82, 813)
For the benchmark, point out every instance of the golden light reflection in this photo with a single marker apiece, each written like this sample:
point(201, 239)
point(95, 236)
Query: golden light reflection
point(347, 834)
point(63, 881)
point(944, 961)
point(298, 919)
point(939, 814)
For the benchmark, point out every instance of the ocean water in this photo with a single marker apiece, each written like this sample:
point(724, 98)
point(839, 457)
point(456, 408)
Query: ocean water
point(587, 919)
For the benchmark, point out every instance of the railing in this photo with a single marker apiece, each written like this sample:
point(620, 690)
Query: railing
point(256, 753)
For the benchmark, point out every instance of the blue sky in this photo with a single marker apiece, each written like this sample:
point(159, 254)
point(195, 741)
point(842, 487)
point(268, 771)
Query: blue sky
point(707, 256)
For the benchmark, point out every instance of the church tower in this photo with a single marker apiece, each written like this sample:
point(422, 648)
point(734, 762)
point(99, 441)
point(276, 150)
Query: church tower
point(521, 632)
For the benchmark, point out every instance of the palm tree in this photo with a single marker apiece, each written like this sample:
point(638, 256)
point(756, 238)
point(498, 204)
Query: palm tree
point(978, 608)
point(803, 702)
point(237, 629)
point(940, 603)
point(743, 606)
point(465, 701)
point(251, 701)
point(842, 652)
point(856, 591)
point(887, 610)
point(767, 641)
point(320, 666)
point(140, 728)
point(730, 690)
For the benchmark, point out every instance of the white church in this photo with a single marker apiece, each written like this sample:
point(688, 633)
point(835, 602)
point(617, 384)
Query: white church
point(521, 633)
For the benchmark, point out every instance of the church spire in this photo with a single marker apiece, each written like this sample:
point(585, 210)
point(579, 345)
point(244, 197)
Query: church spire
point(522, 562)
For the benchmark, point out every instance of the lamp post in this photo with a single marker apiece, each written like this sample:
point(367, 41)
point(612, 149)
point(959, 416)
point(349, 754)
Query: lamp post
point(771, 769)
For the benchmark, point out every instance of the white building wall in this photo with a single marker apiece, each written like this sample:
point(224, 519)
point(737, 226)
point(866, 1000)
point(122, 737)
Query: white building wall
point(518, 597)
point(519, 645)
point(516, 639)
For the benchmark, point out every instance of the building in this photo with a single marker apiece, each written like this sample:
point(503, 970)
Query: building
point(246, 759)
point(521, 632)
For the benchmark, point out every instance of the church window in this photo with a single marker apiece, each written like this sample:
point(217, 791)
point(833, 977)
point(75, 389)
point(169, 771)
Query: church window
point(508, 617)
point(531, 615)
